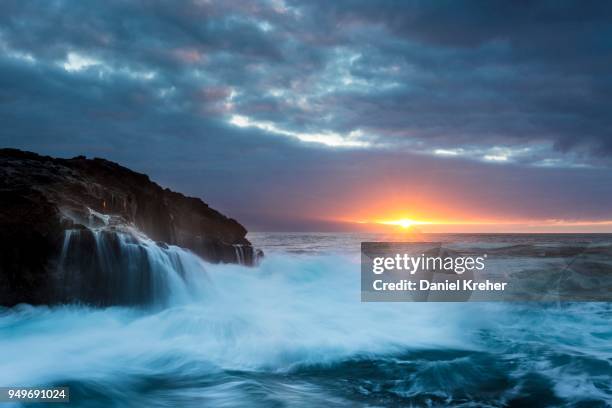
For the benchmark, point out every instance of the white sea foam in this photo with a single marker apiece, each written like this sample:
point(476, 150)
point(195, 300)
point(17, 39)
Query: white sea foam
point(288, 313)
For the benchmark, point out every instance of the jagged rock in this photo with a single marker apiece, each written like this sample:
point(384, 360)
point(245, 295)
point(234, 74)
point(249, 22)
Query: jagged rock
point(42, 197)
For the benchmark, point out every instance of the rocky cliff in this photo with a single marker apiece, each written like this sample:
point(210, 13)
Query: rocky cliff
point(43, 198)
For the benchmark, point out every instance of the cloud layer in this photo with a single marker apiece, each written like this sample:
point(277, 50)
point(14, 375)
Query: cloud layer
point(291, 111)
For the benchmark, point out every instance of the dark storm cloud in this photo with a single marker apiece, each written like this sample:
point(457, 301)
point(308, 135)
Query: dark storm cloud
point(436, 75)
point(480, 73)
point(158, 85)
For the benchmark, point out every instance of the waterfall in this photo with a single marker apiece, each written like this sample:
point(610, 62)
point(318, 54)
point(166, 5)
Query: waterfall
point(107, 267)
point(65, 245)
point(240, 258)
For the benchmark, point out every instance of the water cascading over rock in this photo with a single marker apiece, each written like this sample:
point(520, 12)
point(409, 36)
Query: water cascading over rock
point(92, 231)
point(101, 267)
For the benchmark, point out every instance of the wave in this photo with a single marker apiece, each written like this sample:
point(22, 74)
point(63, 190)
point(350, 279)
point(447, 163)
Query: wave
point(294, 332)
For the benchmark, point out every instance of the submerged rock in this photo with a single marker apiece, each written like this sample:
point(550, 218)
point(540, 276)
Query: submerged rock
point(43, 197)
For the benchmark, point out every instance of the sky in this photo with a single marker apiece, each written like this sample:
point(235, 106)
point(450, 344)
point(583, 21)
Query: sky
point(321, 116)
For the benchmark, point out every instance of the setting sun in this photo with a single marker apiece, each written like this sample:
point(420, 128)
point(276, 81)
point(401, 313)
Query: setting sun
point(403, 222)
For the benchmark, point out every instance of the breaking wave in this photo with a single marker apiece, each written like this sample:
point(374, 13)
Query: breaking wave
point(293, 332)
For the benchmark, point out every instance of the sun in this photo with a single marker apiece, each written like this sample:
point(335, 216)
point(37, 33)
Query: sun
point(403, 222)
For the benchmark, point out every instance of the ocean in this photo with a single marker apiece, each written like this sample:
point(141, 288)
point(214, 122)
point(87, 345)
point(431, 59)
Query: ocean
point(293, 332)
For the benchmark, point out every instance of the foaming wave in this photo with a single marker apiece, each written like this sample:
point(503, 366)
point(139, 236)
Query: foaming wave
point(294, 330)
point(288, 311)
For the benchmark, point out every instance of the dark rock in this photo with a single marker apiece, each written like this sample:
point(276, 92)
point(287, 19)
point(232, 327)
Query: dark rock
point(43, 196)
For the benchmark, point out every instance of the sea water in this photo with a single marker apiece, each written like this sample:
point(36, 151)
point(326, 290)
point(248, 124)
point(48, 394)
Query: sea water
point(293, 332)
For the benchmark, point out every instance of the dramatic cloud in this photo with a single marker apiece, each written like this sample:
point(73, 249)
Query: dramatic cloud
point(284, 112)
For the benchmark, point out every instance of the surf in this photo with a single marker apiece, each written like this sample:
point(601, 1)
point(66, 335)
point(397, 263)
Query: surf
point(292, 330)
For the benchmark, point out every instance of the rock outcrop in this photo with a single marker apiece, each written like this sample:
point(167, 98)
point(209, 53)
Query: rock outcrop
point(43, 197)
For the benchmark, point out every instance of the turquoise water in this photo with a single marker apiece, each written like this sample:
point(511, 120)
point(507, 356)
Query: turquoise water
point(293, 332)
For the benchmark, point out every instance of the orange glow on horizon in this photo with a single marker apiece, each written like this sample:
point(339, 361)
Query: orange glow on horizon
point(397, 213)
point(489, 225)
